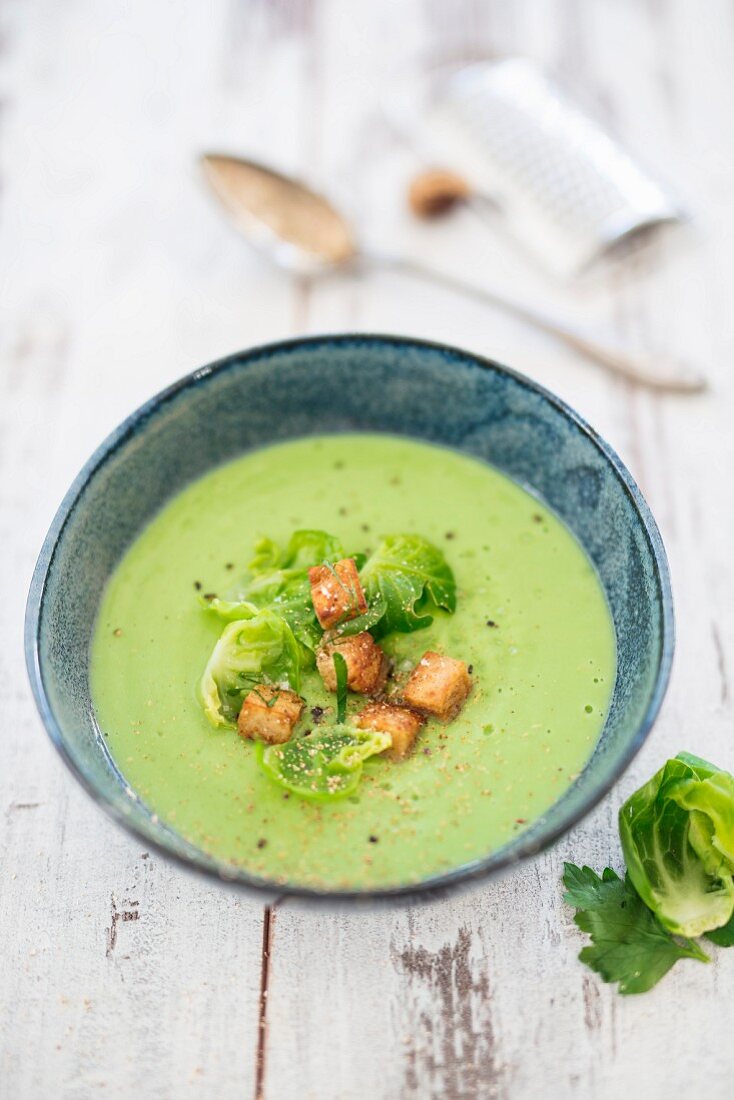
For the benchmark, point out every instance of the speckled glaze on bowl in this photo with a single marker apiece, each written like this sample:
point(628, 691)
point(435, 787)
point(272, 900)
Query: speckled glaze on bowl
point(334, 384)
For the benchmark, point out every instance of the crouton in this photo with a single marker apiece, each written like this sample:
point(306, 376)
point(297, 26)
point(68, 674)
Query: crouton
point(366, 663)
point(438, 686)
point(269, 714)
point(401, 723)
point(336, 593)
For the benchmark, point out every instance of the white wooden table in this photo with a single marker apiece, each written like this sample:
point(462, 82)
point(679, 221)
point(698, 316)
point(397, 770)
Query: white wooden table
point(120, 975)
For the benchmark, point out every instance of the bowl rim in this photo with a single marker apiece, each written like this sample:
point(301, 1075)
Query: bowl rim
point(436, 886)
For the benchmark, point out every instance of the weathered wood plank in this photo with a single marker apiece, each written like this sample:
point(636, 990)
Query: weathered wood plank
point(118, 971)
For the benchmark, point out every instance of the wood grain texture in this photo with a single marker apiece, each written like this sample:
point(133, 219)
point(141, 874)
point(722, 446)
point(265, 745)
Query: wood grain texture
point(120, 975)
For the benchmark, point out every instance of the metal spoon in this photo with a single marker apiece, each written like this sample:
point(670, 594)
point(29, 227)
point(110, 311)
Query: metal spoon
point(303, 232)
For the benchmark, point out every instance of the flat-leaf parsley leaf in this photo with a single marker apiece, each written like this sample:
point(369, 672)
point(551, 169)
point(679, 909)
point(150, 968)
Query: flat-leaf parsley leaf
point(628, 943)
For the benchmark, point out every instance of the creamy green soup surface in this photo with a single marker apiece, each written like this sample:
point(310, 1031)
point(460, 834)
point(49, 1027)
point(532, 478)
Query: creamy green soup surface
point(531, 620)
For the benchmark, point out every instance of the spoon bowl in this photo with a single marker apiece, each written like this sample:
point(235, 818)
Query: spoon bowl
point(284, 219)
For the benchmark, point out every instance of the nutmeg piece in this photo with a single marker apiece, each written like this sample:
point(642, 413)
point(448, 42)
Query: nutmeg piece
point(435, 191)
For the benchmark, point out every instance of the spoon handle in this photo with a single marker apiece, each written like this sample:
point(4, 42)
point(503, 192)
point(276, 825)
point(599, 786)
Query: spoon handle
point(656, 371)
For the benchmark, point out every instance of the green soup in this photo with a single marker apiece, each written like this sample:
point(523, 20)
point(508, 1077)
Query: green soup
point(531, 620)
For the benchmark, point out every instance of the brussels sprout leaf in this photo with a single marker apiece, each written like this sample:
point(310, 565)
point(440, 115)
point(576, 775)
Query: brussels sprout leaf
point(677, 834)
point(324, 767)
point(404, 572)
point(279, 581)
point(252, 651)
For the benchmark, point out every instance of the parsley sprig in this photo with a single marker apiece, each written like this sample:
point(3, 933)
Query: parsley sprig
point(628, 943)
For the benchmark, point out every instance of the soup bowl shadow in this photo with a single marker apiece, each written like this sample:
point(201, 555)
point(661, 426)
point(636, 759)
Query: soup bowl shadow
point(332, 384)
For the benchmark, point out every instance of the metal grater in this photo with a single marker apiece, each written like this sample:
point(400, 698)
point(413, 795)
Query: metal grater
point(566, 190)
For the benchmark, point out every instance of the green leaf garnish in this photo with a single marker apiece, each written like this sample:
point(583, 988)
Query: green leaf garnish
point(404, 575)
point(310, 547)
point(287, 593)
point(325, 767)
point(629, 945)
point(261, 649)
point(341, 672)
point(278, 580)
point(368, 620)
point(403, 571)
point(266, 557)
point(229, 610)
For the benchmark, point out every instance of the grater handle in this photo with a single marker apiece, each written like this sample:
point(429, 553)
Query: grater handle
point(657, 371)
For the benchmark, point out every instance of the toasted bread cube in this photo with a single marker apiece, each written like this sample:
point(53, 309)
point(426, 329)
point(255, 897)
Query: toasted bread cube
point(336, 593)
point(438, 686)
point(401, 723)
point(269, 714)
point(366, 663)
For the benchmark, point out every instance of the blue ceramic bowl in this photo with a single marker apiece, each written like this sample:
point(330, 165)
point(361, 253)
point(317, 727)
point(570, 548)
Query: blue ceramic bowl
point(335, 384)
